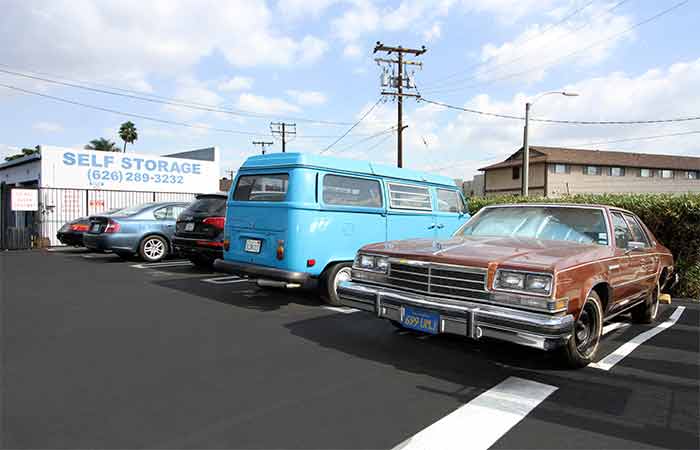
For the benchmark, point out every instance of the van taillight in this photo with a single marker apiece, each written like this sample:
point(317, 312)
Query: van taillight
point(216, 222)
point(112, 227)
point(280, 249)
point(227, 244)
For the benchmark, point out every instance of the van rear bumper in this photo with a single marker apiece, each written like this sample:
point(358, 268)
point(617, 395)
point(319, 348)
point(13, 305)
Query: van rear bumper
point(268, 273)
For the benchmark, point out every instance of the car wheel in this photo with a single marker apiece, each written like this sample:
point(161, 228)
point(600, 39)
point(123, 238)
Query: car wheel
point(583, 344)
point(153, 248)
point(647, 311)
point(329, 289)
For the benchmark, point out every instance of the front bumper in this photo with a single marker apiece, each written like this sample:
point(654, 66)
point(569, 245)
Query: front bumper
point(470, 319)
point(268, 273)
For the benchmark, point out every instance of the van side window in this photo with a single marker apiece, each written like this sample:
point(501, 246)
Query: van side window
point(262, 188)
point(406, 196)
point(450, 201)
point(351, 191)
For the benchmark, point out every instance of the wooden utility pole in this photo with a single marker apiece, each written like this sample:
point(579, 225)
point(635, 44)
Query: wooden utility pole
point(283, 129)
point(397, 82)
point(262, 145)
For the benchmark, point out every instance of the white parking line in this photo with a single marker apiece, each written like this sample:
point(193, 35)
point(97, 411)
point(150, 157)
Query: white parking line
point(99, 256)
point(67, 249)
point(340, 309)
point(161, 265)
point(225, 280)
point(625, 349)
point(482, 421)
point(614, 326)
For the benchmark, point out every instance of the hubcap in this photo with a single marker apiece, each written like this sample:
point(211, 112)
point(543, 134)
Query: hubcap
point(154, 248)
point(586, 329)
point(342, 275)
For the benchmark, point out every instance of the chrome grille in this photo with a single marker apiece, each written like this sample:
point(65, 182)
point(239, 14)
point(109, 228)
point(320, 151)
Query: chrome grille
point(437, 279)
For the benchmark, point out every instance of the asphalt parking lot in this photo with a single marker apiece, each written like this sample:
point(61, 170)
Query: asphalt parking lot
point(102, 353)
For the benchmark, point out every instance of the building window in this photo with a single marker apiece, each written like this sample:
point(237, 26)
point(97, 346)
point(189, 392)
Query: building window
point(617, 172)
point(560, 168)
point(666, 173)
point(516, 173)
point(591, 170)
point(646, 173)
point(693, 174)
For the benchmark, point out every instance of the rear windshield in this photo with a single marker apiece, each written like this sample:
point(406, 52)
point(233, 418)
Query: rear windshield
point(212, 206)
point(131, 210)
point(262, 188)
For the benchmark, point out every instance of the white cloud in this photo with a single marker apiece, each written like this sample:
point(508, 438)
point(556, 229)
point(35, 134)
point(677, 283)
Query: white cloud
point(307, 98)
point(265, 105)
point(542, 45)
point(352, 51)
point(47, 127)
point(190, 89)
point(236, 83)
point(433, 33)
point(127, 41)
point(300, 9)
point(363, 17)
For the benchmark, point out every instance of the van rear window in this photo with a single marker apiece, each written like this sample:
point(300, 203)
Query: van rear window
point(351, 191)
point(262, 188)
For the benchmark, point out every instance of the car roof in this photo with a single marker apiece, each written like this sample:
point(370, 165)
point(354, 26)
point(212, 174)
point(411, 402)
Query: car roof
point(213, 195)
point(564, 204)
point(280, 160)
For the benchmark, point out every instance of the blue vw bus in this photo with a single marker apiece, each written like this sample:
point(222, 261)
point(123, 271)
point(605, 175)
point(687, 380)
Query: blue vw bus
point(297, 220)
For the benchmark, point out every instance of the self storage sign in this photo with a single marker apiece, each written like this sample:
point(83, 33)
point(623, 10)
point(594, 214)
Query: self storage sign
point(86, 169)
point(24, 199)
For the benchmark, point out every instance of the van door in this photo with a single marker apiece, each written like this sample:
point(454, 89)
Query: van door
point(257, 218)
point(352, 215)
point(410, 213)
point(450, 212)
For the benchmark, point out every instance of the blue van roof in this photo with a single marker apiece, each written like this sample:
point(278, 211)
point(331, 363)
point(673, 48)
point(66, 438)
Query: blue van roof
point(272, 160)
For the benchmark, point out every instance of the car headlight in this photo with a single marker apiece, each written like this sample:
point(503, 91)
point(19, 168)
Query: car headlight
point(371, 262)
point(532, 283)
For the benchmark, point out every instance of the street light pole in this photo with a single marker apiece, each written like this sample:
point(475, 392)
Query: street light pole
point(526, 146)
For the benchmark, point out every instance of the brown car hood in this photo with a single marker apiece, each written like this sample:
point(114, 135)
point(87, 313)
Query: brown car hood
point(481, 251)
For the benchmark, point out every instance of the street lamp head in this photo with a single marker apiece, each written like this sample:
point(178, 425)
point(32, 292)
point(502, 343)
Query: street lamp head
point(569, 94)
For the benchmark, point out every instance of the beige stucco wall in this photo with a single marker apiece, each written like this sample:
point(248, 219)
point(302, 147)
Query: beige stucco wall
point(501, 182)
point(578, 183)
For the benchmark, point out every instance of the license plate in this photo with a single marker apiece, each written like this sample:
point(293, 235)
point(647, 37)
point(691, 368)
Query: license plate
point(95, 228)
point(189, 226)
point(252, 245)
point(421, 320)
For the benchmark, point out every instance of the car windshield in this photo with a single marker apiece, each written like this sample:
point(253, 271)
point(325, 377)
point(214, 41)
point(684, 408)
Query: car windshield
point(213, 206)
point(572, 224)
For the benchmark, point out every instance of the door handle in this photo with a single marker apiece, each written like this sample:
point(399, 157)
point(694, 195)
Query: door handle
point(432, 226)
point(440, 226)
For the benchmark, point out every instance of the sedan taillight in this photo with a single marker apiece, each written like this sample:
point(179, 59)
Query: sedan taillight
point(79, 227)
point(112, 227)
point(216, 222)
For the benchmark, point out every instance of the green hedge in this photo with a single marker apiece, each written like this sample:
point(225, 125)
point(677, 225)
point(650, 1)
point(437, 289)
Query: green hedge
point(674, 220)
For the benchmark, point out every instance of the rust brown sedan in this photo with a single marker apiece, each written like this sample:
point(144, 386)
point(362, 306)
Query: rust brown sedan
point(546, 276)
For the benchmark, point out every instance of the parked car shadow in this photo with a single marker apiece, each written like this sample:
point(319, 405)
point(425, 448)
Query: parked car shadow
point(244, 295)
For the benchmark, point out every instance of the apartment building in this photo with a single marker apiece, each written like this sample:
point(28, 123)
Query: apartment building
point(562, 171)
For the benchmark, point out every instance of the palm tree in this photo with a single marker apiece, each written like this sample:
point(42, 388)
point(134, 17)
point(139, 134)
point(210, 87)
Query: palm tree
point(128, 133)
point(102, 145)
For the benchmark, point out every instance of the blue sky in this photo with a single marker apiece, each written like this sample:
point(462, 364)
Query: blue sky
point(312, 59)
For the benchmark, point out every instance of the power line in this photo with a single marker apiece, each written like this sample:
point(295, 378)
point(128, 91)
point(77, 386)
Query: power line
point(575, 52)
point(565, 122)
point(530, 39)
point(283, 129)
point(370, 137)
point(164, 100)
point(150, 118)
point(353, 126)
point(639, 138)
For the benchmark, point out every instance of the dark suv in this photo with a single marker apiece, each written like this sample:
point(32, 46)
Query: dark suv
point(199, 231)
